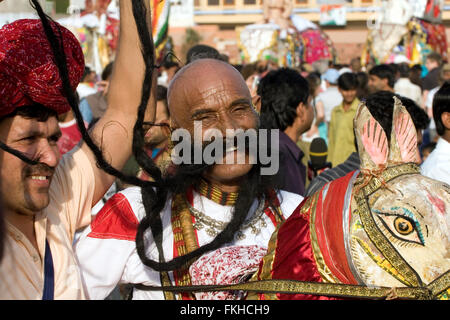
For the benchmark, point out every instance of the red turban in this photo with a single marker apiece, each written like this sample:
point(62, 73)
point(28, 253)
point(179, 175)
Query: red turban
point(28, 73)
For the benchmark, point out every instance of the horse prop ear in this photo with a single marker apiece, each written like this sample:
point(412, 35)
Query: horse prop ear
point(403, 146)
point(373, 145)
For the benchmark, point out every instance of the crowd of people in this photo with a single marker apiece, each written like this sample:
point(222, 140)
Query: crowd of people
point(72, 228)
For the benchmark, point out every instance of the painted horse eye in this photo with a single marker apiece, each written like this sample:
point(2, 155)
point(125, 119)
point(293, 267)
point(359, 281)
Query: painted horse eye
point(403, 226)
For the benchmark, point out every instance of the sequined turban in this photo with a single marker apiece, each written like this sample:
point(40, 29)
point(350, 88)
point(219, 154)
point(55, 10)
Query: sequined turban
point(28, 73)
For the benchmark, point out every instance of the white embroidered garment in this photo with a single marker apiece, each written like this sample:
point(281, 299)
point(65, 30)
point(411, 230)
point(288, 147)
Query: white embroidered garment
point(106, 250)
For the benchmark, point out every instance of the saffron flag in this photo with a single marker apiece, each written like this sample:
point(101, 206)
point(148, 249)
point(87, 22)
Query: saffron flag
point(160, 25)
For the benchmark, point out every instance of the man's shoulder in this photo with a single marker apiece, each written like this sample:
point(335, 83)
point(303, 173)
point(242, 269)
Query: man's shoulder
point(73, 168)
point(289, 202)
point(119, 217)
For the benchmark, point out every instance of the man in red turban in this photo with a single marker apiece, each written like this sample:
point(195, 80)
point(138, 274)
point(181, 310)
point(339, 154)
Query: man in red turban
point(45, 200)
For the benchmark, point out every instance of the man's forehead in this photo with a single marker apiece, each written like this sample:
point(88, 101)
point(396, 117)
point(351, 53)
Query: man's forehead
point(20, 124)
point(202, 70)
point(206, 79)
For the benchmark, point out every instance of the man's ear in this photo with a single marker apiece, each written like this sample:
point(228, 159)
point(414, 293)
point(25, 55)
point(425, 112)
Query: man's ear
point(445, 118)
point(166, 129)
point(256, 101)
point(300, 110)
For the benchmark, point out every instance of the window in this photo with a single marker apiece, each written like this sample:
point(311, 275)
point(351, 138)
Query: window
point(213, 2)
point(301, 1)
point(228, 2)
point(249, 2)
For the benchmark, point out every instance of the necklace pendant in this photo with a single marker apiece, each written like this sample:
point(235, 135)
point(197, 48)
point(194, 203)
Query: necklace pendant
point(240, 235)
point(198, 226)
point(211, 232)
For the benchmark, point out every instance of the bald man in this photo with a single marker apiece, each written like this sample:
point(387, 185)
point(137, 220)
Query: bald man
point(221, 214)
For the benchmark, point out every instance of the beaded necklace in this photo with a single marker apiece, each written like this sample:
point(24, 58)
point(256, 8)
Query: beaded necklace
point(215, 194)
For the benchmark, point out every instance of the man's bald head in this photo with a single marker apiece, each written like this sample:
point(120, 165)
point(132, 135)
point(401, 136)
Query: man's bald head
point(204, 82)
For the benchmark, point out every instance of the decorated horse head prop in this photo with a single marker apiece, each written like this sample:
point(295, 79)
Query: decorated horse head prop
point(383, 226)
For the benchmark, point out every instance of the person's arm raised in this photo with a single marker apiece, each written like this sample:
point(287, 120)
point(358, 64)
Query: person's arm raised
point(113, 133)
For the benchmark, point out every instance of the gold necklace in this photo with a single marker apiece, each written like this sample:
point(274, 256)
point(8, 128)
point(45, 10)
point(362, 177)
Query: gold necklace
point(215, 194)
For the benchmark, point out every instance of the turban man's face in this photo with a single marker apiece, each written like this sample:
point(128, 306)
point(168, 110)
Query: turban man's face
point(214, 93)
point(25, 188)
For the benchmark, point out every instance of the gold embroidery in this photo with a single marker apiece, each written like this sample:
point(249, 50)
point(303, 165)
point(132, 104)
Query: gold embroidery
point(382, 263)
point(183, 235)
point(317, 288)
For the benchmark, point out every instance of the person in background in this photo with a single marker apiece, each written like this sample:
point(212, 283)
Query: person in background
point(363, 82)
point(404, 87)
point(94, 105)
point(355, 65)
point(314, 89)
point(330, 98)
point(430, 133)
point(427, 149)
point(437, 165)
point(168, 71)
point(202, 51)
point(340, 132)
point(251, 77)
point(433, 63)
point(415, 75)
point(157, 137)
point(285, 105)
point(381, 78)
point(86, 86)
point(70, 134)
